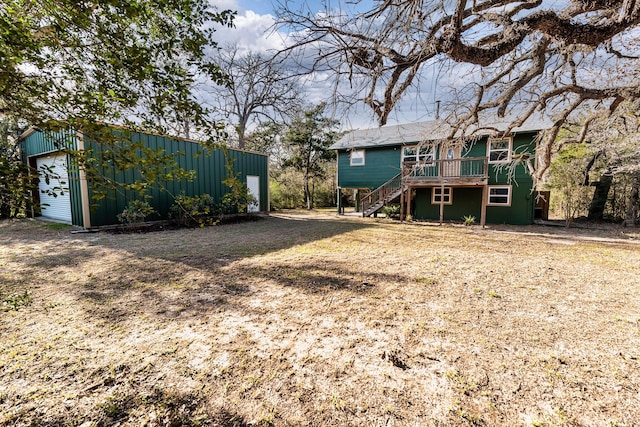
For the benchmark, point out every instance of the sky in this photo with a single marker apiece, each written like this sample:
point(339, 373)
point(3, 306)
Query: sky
point(254, 31)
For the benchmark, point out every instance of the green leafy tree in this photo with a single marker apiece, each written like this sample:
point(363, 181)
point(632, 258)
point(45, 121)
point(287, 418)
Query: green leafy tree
point(611, 160)
point(78, 65)
point(308, 140)
point(567, 176)
point(267, 138)
point(237, 199)
point(15, 182)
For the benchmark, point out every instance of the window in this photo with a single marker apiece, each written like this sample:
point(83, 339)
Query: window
point(441, 194)
point(500, 195)
point(357, 157)
point(499, 150)
point(418, 153)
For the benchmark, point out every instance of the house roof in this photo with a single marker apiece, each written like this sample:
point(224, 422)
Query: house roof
point(433, 130)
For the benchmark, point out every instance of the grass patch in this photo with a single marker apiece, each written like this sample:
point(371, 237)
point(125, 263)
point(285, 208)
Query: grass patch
point(16, 300)
point(56, 226)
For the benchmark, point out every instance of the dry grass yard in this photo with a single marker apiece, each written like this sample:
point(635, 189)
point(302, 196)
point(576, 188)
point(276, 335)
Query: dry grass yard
point(307, 319)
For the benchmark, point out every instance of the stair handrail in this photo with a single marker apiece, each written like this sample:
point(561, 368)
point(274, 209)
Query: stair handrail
point(472, 167)
point(381, 193)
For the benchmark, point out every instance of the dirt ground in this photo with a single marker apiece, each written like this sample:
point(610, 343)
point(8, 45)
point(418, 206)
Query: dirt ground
point(309, 319)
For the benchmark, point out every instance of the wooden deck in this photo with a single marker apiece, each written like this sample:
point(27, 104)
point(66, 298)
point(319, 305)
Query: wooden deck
point(461, 172)
point(472, 171)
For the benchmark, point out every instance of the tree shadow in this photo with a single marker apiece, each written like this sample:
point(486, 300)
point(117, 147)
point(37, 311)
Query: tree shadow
point(146, 272)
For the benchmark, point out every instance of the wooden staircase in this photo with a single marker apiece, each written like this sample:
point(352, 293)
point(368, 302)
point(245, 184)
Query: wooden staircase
point(382, 196)
point(462, 172)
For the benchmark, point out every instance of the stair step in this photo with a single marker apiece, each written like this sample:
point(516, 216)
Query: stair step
point(381, 203)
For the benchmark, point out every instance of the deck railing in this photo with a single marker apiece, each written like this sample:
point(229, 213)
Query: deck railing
point(472, 167)
point(381, 193)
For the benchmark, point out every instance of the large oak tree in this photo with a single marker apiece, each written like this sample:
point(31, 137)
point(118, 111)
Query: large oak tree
point(573, 60)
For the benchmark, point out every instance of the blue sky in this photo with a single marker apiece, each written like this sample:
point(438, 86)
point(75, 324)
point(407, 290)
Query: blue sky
point(263, 7)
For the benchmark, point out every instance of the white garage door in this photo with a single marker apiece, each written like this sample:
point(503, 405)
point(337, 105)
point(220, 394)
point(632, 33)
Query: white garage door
point(56, 207)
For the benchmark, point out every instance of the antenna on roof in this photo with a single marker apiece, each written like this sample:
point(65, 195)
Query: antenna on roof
point(438, 110)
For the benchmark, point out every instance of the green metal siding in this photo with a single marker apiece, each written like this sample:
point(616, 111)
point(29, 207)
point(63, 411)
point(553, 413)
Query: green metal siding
point(210, 172)
point(381, 164)
point(209, 166)
point(39, 144)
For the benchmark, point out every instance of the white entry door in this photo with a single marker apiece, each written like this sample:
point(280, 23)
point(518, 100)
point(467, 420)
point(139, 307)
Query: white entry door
point(253, 185)
point(55, 199)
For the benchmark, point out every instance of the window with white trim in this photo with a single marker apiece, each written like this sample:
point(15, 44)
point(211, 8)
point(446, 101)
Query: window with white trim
point(357, 158)
point(499, 195)
point(419, 153)
point(441, 194)
point(499, 150)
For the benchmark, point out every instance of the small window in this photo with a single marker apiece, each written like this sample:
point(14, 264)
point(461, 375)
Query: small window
point(500, 195)
point(441, 194)
point(418, 153)
point(499, 150)
point(357, 157)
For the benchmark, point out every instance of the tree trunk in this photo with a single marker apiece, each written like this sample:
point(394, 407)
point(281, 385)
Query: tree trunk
point(240, 129)
point(307, 193)
point(600, 196)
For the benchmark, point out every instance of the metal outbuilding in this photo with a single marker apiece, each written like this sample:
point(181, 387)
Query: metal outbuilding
point(68, 196)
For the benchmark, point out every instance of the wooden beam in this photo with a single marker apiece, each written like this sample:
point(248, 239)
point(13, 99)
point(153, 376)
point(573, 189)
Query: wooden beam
point(441, 203)
point(84, 186)
point(401, 202)
point(408, 201)
point(485, 200)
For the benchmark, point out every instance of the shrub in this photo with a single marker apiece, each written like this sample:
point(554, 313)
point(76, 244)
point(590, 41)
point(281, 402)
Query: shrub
point(237, 200)
point(468, 220)
point(135, 212)
point(286, 191)
point(191, 211)
point(16, 300)
point(391, 211)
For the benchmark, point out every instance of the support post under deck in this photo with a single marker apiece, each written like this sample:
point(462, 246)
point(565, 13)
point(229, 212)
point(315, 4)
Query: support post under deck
point(483, 211)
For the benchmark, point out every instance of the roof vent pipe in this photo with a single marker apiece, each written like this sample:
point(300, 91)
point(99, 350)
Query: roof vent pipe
point(438, 110)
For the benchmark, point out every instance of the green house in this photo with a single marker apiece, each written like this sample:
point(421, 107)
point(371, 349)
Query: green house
point(66, 195)
point(438, 177)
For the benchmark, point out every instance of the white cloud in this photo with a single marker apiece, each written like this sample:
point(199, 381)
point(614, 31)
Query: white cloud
point(252, 31)
point(256, 32)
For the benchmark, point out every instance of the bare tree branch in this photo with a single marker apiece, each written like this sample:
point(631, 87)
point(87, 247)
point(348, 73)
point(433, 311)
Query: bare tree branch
point(260, 90)
point(561, 59)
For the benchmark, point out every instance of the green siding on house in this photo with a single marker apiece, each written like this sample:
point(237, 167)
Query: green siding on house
point(466, 201)
point(381, 164)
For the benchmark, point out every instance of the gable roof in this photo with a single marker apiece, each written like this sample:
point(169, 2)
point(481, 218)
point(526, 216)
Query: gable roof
point(433, 130)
